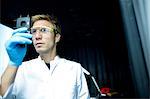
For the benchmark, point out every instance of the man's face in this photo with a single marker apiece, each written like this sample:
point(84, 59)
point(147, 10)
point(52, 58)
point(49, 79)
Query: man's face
point(44, 39)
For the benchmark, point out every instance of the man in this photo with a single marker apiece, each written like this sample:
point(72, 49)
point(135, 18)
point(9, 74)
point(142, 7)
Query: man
point(46, 77)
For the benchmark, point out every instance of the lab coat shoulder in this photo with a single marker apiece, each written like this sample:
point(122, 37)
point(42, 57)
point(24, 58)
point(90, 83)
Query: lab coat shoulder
point(82, 91)
point(75, 68)
point(71, 65)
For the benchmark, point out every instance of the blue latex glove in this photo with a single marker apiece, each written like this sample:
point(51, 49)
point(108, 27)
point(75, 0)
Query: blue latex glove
point(16, 46)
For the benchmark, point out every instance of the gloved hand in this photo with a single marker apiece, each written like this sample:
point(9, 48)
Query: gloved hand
point(16, 46)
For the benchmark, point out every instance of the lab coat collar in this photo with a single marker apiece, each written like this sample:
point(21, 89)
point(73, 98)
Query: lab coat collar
point(53, 63)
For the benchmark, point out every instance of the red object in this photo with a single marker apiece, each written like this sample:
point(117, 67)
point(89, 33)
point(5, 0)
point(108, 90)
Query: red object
point(105, 90)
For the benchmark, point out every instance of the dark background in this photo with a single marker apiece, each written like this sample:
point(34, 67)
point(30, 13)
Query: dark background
point(92, 34)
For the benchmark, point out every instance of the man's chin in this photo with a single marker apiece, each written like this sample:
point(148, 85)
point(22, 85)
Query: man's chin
point(40, 51)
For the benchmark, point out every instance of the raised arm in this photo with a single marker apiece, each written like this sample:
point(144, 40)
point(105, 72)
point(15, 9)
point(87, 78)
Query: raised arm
point(7, 79)
point(16, 48)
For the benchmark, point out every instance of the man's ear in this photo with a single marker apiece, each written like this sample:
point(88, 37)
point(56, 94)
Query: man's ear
point(57, 38)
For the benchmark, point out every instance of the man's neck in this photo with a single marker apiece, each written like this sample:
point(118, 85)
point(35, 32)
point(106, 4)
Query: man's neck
point(48, 57)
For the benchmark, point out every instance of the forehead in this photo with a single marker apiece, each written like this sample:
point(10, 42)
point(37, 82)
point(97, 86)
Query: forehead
point(41, 23)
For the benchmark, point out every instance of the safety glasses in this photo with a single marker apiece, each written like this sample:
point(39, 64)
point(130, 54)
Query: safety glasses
point(41, 29)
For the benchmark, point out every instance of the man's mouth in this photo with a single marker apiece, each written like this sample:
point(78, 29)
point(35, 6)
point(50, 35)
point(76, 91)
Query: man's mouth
point(39, 44)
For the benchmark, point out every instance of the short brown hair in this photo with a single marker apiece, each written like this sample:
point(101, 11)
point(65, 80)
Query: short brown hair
point(52, 19)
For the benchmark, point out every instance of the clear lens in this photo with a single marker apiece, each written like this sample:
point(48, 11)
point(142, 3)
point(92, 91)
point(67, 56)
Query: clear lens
point(41, 30)
point(33, 31)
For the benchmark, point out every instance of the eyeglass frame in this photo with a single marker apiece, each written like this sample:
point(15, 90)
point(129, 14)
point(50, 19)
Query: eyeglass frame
point(39, 28)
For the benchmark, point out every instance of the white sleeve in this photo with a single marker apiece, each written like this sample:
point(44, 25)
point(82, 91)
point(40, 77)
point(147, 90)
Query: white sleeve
point(83, 91)
point(9, 93)
point(12, 90)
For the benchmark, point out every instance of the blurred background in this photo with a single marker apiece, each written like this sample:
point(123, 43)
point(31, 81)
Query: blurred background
point(104, 36)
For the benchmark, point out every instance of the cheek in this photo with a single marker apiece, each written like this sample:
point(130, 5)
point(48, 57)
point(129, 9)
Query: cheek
point(48, 39)
point(33, 40)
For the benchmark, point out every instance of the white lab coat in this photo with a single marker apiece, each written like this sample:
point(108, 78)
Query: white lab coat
point(64, 80)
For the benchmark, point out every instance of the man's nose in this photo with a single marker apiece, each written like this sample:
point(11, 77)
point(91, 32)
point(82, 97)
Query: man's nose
point(38, 35)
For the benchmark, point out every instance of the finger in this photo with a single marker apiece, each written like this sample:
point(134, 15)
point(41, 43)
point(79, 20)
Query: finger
point(20, 30)
point(26, 35)
point(20, 40)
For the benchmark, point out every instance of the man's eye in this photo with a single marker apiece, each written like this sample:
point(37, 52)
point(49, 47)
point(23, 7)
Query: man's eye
point(33, 30)
point(43, 30)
